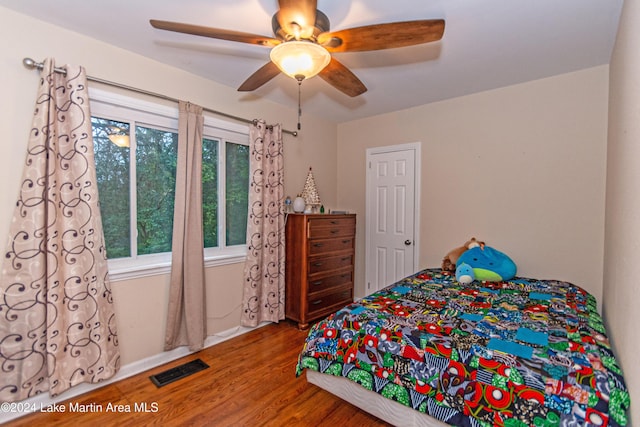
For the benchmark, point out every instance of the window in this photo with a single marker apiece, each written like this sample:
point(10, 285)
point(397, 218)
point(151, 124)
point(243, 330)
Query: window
point(135, 145)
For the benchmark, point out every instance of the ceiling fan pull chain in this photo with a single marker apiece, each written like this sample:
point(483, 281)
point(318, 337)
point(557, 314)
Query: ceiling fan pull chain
point(299, 106)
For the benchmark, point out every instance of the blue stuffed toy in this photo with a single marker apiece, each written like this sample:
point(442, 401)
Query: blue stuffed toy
point(488, 264)
point(465, 274)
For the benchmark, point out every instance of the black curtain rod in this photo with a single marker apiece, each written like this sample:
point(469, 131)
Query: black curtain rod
point(31, 64)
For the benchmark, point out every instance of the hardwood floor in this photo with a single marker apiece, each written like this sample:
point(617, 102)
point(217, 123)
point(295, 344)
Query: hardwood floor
point(250, 382)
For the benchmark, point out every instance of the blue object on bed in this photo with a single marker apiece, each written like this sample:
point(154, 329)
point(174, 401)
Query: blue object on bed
point(523, 352)
point(488, 264)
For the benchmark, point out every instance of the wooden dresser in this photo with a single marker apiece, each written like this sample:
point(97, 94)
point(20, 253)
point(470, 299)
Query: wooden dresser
point(319, 265)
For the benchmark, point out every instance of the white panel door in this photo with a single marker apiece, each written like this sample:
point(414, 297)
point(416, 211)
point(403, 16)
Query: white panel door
point(391, 219)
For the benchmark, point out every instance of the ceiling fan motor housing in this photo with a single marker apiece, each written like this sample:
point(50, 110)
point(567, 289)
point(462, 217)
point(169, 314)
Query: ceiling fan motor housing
point(322, 25)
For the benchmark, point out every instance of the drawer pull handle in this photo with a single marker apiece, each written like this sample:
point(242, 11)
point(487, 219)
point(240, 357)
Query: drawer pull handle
point(318, 245)
point(345, 258)
point(317, 282)
point(334, 222)
point(335, 231)
point(318, 264)
point(346, 241)
point(317, 302)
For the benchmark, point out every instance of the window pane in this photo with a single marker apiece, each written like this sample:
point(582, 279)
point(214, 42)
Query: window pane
point(237, 191)
point(210, 192)
point(112, 170)
point(156, 159)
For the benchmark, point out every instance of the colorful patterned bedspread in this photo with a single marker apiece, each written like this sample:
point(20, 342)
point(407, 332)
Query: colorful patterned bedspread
point(522, 352)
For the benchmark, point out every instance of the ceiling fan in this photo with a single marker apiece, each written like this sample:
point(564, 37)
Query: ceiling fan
point(303, 44)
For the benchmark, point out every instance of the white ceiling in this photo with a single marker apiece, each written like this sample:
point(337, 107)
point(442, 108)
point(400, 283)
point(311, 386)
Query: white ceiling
point(487, 44)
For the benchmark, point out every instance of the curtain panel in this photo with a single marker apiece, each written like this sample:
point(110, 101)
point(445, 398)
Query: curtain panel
point(57, 321)
point(186, 316)
point(264, 286)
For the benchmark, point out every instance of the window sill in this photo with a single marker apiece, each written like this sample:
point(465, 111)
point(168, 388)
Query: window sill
point(119, 271)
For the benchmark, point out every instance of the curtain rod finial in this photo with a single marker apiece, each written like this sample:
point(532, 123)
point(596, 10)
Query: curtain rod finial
point(30, 63)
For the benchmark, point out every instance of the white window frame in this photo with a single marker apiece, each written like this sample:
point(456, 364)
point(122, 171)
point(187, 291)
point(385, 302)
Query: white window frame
point(118, 107)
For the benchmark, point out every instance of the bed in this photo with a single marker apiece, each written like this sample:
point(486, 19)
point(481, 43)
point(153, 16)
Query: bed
point(430, 351)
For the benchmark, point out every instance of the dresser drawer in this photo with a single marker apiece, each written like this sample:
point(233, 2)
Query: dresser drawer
point(330, 245)
point(322, 264)
point(329, 303)
point(324, 283)
point(323, 228)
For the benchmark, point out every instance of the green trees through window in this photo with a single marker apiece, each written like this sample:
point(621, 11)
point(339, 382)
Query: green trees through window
point(148, 166)
point(112, 170)
point(156, 160)
point(237, 189)
point(210, 192)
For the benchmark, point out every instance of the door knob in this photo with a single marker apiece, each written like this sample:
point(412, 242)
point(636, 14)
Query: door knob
point(407, 242)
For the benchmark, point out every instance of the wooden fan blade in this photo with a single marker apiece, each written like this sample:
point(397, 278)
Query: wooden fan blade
point(297, 17)
point(383, 36)
point(215, 33)
point(260, 77)
point(340, 77)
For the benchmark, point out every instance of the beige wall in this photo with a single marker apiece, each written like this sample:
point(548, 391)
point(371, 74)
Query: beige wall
point(520, 167)
point(141, 303)
point(622, 230)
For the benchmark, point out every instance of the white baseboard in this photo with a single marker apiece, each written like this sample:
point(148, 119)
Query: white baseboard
point(44, 400)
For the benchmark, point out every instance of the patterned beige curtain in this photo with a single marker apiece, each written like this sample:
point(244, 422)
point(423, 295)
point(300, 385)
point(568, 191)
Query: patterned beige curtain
point(186, 317)
point(57, 323)
point(263, 293)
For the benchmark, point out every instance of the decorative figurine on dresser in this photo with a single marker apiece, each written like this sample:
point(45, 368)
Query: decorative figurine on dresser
point(320, 251)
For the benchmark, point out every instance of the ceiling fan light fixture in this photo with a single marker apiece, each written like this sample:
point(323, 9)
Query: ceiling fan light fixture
point(120, 140)
point(300, 58)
